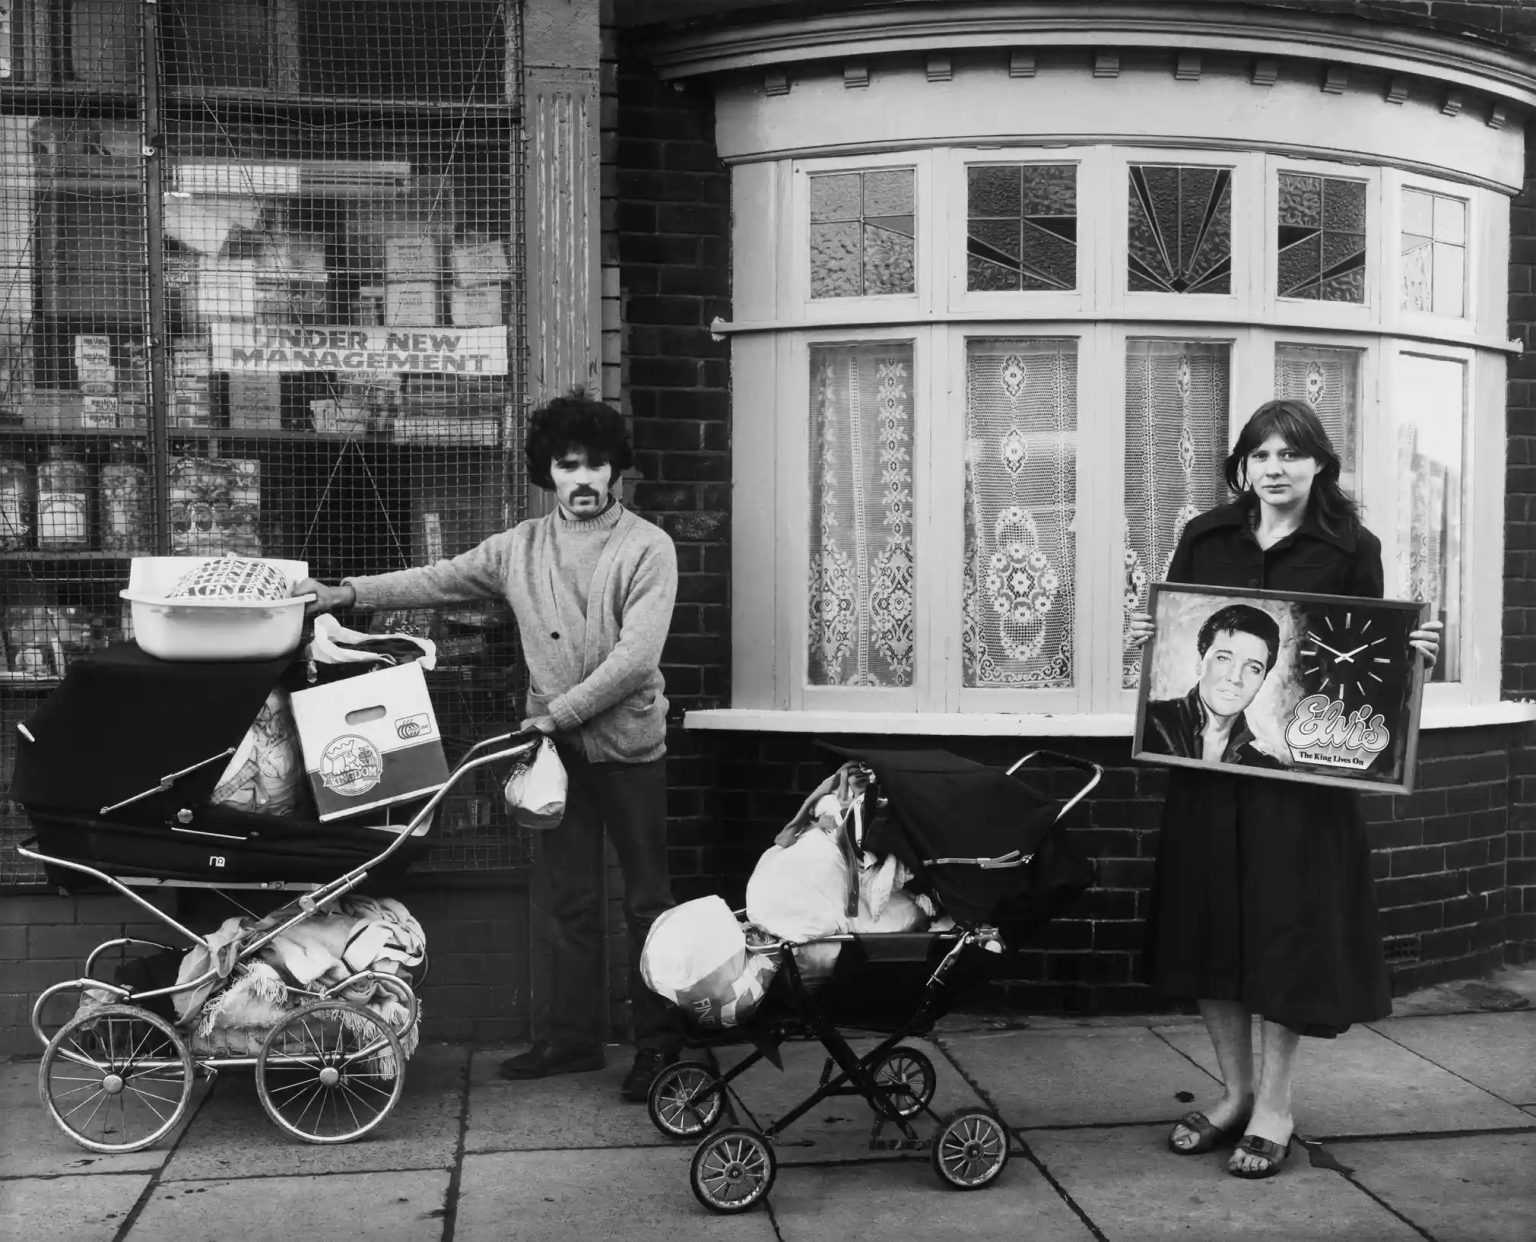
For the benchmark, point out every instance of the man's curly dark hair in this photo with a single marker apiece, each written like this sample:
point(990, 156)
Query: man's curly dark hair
point(575, 421)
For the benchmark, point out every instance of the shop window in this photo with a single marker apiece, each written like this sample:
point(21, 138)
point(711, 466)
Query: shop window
point(863, 239)
point(861, 554)
point(1321, 238)
point(1020, 512)
point(1177, 408)
point(1180, 236)
point(1021, 226)
point(1434, 252)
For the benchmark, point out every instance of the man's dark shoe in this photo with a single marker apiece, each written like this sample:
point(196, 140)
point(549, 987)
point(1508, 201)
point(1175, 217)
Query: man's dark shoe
point(648, 1063)
point(546, 1058)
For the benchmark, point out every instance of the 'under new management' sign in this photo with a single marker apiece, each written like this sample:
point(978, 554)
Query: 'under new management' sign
point(251, 347)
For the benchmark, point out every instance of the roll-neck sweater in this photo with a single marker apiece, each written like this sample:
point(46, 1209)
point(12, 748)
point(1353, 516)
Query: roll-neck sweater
point(593, 602)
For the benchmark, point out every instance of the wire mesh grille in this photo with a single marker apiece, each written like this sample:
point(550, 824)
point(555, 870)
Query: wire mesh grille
point(260, 292)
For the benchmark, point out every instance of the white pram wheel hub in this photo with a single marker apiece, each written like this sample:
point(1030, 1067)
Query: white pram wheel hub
point(330, 1072)
point(678, 1103)
point(116, 1078)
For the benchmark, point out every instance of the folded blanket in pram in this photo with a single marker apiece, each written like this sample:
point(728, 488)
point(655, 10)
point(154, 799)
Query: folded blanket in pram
point(361, 934)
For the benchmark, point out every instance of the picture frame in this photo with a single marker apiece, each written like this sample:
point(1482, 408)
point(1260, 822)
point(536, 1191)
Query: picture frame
point(1326, 692)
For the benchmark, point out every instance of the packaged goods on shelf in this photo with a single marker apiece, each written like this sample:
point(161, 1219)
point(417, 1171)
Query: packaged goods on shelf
point(412, 257)
point(370, 306)
point(191, 356)
point(452, 512)
point(475, 306)
point(54, 411)
point(410, 303)
point(480, 262)
point(292, 298)
point(226, 290)
point(215, 506)
point(127, 519)
point(15, 505)
point(94, 372)
point(99, 413)
point(63, 502)
point(255, 401)
point(333, 417)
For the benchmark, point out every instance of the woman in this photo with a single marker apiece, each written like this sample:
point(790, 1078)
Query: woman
point(1262, 899)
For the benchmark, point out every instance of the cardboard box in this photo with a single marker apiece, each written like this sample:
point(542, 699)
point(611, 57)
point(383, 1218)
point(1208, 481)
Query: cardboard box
point(255, 401)
point(412, 258)
point(370, 741)
point(478, 262)
point(410, 303)
point(476, 306)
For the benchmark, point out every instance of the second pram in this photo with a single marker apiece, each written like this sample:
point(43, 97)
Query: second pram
point(988, 853)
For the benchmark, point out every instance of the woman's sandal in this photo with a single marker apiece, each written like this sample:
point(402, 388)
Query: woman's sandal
point(1209, 1136)
point(1272, 1154)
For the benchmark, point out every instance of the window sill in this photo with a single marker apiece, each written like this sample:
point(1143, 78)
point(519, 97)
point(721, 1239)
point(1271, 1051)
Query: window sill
point(1006, 724)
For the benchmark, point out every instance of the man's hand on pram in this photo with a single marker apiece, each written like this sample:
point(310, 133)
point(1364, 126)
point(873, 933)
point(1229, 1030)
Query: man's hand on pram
point(544, 724)
point(327, 598)
point(1139, 629)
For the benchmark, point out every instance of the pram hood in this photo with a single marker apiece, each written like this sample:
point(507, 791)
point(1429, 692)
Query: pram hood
point(942, 806)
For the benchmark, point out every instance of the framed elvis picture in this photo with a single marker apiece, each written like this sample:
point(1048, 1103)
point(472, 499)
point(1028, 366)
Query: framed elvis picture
point(1317, 688)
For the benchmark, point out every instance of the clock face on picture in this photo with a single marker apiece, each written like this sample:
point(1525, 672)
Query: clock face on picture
point(1344, 654)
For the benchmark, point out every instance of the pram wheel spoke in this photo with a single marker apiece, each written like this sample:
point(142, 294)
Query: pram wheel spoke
point(733, 1170)
point(330, 1072)
point(116, 1078)
point(970, 1150)
point(907, 1082)
point(678, 1103)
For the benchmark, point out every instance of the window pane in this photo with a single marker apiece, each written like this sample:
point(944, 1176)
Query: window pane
point(863, 233)
point(1431, 429)
point(861, 564)
point(1177, 400)
point(1180, 235)
point(1434, 254)
point(1321, 238)
point(1023, 226)
point(1329, 381)
point(1020, 509)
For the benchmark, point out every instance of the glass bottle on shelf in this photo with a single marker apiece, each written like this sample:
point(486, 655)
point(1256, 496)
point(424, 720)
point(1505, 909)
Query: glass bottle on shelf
point(63, 502)
point(15, 505)
point(127, 520)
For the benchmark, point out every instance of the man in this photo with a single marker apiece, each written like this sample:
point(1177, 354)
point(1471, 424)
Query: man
point(592, 587)
point(1237, 646)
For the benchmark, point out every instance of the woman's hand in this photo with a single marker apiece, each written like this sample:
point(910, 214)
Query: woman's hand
point(327, 598)
point(1427, 641)
point(1140, 628)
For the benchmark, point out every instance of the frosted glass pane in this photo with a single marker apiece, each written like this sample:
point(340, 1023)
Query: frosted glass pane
point(1450, 279)
point(836, 261)
point(1418, 212)
point(835, 196)
point(1022, 218)
point(1018, 607)
point(1179, 232)
point(1431, 417)
point(888, 261)
point(1450, 219)
point(861, 555)
point(862, 233)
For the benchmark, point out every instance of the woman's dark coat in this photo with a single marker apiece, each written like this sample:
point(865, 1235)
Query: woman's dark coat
point(1263, 891)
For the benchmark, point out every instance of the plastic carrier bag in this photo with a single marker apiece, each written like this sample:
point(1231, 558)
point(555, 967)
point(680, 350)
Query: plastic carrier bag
point(697, 957)
point(535, 791)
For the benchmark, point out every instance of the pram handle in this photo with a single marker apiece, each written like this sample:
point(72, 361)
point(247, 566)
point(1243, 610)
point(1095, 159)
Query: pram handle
point(1095, 771)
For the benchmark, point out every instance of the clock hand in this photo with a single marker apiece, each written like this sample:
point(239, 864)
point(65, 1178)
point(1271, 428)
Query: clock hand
point(1347, 654)
point(1337, 654)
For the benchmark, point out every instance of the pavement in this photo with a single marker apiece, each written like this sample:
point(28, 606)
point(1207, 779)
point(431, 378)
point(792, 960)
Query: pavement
point(1422, 1125)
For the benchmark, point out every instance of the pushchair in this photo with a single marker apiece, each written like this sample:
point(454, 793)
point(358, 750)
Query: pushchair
point(117, 1075)
point(992, 853)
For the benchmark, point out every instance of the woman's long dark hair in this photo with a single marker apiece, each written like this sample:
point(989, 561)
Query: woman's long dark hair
point(1298, 425)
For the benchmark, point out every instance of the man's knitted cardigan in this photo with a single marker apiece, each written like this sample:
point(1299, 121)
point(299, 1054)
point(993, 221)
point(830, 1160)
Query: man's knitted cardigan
point(607, 696)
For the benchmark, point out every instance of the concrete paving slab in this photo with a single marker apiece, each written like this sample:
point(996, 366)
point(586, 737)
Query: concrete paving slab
point(1132, 1187)
point(837, 1128)
point(1497, 1051)
point(638, 1194)
point(59, 1208)
point(233, 1136)
point(1077, 1076)
point(1472, 1188)
point(568, 1110)
point(882, 1202)
point(32, 1144)
point(1363, 1084)
point(407, 1206)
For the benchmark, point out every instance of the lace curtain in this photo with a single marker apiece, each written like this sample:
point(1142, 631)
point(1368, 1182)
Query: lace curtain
point(861, 567)
point(1329, 381)
point(1020, 512)
point(1177, 399)
point(1431, 421)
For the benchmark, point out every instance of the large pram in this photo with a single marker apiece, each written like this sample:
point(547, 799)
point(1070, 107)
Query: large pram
point(991, 851)
point(117, 1075)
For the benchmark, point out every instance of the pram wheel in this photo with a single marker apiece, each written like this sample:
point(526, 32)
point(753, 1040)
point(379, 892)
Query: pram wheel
point(732, 1170)
point(907, 1082)
point(970, 1150)
point(330, 1072)
point(676, 1104)
point(116, 1078)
